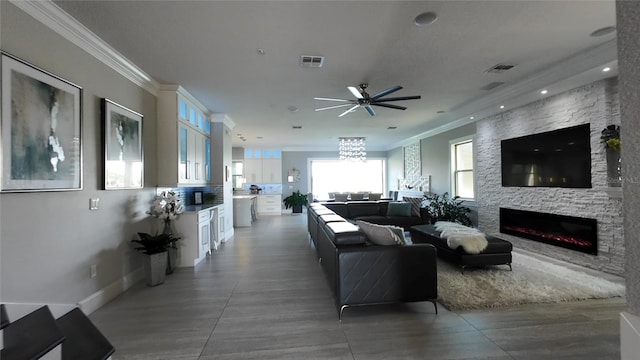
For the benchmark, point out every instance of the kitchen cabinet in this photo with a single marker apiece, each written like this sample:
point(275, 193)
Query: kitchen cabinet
point(272, 171)
point(270, 204)
point(252, 169)
point(244, 210)
point(193, 227)
point(184, 146)
point(263, 171)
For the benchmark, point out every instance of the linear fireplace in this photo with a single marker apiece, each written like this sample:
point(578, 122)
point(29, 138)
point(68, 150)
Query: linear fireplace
point(580, 234)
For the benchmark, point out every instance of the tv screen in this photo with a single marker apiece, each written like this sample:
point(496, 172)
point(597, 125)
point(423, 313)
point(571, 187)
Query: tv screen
point(559, 158)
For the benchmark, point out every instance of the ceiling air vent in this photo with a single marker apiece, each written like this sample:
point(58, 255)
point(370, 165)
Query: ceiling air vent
point(311, 61)
point(491, 86)
point(499, 68)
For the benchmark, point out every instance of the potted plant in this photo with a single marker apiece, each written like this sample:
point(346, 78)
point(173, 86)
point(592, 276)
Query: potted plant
point(155, 248)
point(166, 207)
point(445, 208)
point(295, 201)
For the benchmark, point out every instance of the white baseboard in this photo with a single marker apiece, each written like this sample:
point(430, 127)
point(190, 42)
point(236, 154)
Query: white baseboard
point(629, 336)
point(99, 298)
point(228, 235)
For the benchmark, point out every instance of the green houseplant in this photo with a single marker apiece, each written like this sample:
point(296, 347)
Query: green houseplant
point(155, 248)
point(445, 208)
point(295, 201)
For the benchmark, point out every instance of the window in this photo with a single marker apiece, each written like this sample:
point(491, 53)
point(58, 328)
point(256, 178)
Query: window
point(347, 176)
point(462, 183)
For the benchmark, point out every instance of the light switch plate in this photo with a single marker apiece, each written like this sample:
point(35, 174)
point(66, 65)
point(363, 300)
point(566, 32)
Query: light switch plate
point(93, 203)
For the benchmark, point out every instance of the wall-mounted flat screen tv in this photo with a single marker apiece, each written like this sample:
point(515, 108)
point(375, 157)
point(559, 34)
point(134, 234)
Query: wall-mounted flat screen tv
point(559, 158)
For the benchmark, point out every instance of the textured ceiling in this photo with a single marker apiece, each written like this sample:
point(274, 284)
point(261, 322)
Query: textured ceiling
point(210, 48)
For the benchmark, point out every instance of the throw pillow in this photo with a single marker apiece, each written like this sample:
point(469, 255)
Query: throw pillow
point(380, 234)
point(415, 204)
point(399, 231)
point(399, 209)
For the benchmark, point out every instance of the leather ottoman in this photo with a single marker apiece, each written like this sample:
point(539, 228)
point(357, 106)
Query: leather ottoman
point(498, 251)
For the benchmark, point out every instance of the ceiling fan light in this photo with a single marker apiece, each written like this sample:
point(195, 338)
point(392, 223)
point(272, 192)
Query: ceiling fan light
point(426, 18)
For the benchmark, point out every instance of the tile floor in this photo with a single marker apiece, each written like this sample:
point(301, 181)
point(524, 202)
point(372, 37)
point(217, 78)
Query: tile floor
point(263, 296)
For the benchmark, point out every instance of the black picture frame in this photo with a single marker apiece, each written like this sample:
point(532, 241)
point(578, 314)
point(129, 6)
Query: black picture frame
point(197, 198)
point(38, 105)
point(123, 147)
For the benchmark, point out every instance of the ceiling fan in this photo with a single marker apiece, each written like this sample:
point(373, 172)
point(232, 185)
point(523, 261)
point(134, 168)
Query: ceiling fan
point(364, 100)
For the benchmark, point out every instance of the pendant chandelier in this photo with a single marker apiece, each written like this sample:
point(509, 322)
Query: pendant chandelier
point(352, 148)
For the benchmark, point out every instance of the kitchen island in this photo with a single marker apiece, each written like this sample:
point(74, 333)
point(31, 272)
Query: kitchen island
point(244, 210)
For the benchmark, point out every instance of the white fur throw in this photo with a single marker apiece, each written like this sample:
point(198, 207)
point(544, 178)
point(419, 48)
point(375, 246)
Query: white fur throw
point(472, 240)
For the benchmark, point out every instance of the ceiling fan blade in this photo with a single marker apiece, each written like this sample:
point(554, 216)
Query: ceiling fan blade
point(400, 98)
point(333, 107)
point(391, 106)
point(386, 92)
point(348, 111)
point(354, 90)
point(370, 110)
point(332, 99)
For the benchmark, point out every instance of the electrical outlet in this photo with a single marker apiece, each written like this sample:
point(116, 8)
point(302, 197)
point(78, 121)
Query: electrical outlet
point(94, 270)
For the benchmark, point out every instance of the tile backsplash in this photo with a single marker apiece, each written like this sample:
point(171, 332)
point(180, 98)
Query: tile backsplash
point(186, 193)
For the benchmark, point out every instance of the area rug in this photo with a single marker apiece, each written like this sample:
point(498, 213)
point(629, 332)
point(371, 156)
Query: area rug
point(532, 280)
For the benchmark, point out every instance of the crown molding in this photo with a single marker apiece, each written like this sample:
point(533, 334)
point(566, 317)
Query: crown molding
point(223, 118)
point(71, 29)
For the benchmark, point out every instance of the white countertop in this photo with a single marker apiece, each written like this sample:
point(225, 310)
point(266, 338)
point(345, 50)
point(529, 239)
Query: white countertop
point(239, 197)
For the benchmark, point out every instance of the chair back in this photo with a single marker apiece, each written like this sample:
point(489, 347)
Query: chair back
point(341, 197)
point(375, 196)
point(356, 196)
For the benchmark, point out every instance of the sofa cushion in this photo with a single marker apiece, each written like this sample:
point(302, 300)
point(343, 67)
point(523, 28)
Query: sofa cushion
point(399, 209)
point(339, 208)
point(380, 234)
point(415, 204)
point(345, 233)
point(363, 208)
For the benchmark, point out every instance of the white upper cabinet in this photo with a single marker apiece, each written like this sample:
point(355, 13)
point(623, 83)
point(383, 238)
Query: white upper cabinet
point(184, 144)
point(263, 166)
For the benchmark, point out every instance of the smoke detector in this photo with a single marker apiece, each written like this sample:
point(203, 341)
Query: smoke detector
point(310, 61)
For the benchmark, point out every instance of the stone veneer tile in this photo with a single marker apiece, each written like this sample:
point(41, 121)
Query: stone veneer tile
point(597, 104)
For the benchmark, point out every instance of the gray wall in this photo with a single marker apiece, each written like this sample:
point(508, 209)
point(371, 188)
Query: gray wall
point(50, 239)
point(395, 168)
point(628, 24)
point(435, 156)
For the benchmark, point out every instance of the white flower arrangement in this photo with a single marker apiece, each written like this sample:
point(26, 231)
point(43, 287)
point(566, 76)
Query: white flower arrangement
point(166, 206)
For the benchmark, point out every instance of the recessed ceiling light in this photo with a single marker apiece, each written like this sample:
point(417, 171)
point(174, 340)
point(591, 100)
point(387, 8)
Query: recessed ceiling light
point(543, 92)
point(296, 127)
point(425, 18)
point(501, 106)
point(392, 127)
point(606, 69)
point(258, 137)
point(441, 111)
point(603, 31)
point(261, 51)
point(293, 108)
point(471, 117)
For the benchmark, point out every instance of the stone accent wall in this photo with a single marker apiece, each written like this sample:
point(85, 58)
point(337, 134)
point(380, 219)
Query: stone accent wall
point(597, 104)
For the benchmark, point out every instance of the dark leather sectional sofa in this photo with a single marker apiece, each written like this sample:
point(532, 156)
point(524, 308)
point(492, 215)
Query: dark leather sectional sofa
point(360, 273)
point(376, 212)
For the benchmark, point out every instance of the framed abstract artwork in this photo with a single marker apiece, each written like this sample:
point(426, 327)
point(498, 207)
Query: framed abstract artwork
point(41, 137)
point(123, 156)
